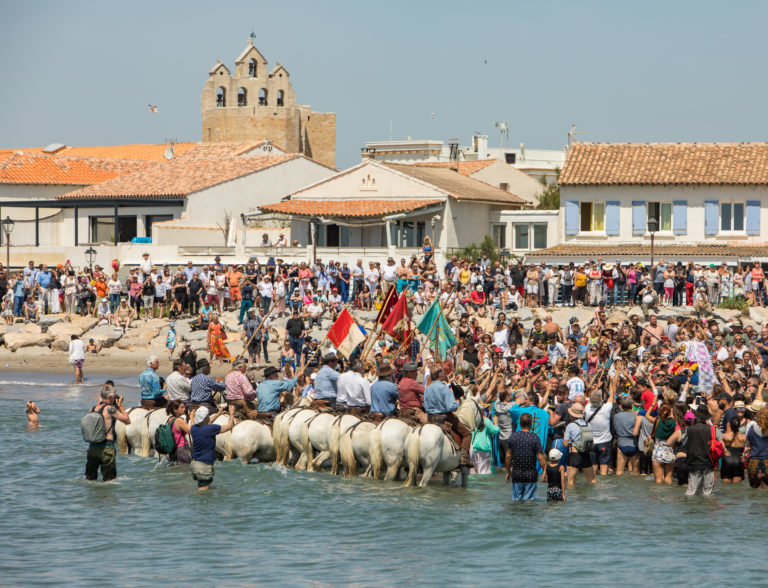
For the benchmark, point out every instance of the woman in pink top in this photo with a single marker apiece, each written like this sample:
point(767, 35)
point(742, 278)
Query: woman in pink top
point(176, 411)
point(757, 284)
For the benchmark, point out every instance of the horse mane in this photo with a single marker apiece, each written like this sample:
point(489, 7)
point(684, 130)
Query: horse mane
point(468, 412)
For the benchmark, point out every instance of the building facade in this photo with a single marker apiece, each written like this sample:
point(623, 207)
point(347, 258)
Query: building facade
point(258, 103)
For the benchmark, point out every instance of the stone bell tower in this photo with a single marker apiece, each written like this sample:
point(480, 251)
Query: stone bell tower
point(257, 103)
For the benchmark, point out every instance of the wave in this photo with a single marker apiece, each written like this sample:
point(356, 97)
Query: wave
point(66, 384)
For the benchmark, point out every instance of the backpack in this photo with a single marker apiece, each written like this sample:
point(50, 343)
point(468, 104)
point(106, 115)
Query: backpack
point(93, 427)
point(716, 448)
point(586, 441)
point(164, 441)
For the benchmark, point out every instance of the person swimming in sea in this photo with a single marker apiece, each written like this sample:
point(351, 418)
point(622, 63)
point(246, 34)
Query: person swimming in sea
point(32, 412)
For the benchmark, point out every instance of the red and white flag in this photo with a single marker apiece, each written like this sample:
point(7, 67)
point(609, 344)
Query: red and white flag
point(345, 334)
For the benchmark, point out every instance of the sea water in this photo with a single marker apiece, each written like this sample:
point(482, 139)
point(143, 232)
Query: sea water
point(263, 524)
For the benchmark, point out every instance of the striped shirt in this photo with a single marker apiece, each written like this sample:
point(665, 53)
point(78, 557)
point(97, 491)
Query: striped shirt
point(202, 386)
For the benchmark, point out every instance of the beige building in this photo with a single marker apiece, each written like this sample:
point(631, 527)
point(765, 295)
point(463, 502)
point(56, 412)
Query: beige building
point(259, 103)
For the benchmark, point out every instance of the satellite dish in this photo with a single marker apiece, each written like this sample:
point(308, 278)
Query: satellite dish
point(169, 153)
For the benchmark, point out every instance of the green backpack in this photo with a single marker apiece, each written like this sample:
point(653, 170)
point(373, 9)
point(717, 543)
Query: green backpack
point(586, 441)
point(164, 441)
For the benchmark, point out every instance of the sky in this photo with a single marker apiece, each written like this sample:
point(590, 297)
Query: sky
point(83, 73)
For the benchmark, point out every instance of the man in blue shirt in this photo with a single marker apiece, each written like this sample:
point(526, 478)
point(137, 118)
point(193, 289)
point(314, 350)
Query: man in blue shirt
point(203, 435)
point(269, 391)
point(325, 383)
point(43, 282)
point(190, 270)
point(384, 393)
point(202, 386)
point(439, 404)
point(149, 384)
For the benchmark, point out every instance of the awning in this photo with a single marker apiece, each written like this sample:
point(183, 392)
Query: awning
point(347, 208)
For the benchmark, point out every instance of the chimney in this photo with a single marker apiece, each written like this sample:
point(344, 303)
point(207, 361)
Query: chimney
point(481, 146)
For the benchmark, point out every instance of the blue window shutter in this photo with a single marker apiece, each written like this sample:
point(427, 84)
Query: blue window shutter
point(571, 217)
point(680, 217)
point(612, 208)
point(638, 217)
point(344, 236)
point(711, 216)
point(753, 217)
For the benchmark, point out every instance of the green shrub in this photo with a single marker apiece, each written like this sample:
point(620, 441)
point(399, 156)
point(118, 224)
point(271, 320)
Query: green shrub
point(734, 303)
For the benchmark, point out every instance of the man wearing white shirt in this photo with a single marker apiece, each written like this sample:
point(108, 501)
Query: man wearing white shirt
point(389, 275)
point(354, 390)
point(145, 265)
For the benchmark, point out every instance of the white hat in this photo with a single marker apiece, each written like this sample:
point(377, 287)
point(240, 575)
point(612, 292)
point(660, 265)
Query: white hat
point(555, 454)
point(201, 414)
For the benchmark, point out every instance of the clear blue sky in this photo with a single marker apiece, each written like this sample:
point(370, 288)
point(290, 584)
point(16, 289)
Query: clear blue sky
point(83, 73)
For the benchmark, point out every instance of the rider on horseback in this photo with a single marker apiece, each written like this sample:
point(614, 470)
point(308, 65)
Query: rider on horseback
point(240, 392)
point(270, 389)
point(384, 393)
point(440, 404)
point(411, 395)
point(325, 383)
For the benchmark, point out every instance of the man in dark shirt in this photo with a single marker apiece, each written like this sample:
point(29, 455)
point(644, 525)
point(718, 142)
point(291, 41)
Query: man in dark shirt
point(524, 448)
point(309, 353)
point(701, 471)
point(470, 354)
point(295, 331)
point(189, 357)
point(194, 292)
point(517, 275)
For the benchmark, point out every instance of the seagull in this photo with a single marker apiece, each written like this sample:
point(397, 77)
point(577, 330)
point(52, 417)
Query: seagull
point(152, 109)
point(433, 115)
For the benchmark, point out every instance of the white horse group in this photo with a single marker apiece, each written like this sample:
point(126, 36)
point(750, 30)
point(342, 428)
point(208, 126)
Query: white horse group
point(308, 439)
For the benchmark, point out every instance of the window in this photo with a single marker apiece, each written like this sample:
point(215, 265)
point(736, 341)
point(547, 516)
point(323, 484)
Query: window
point(521, 237)
point(262, 97)
point(252, 69)
point(504, 186)
point(732, 216)
point(242, 97)
point(280, 98)
point(540, 236)
point(103, 229)
point(661, 211)
point(509, 158)
point(592, 216)
point(500, 236)
point(150, 219)
point(221, 97)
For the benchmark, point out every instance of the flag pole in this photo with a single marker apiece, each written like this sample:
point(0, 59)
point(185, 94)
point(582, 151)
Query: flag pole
point(373, 335)
point(440, 307)
point(258, 330)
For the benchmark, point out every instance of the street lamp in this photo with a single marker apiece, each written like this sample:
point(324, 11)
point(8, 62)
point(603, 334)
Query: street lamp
point(313, 223)
point(90, 254)
point(8, 229)
point(653, 226)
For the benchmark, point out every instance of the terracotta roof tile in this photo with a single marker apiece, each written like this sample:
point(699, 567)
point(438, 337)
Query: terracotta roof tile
point(178, 178)
point(138, 152)
point(346, 208)
point(201, 150)
point(29, 168)
point(673, 252)
point(457, 185)
point(590, 164)
point(466, 168)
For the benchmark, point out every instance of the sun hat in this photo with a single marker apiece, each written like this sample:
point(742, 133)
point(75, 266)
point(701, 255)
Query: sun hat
point(757, 405)
point(555, 454)
point(386, 369)
point(739, 405)
point(269, 370)
point(201, 414)
point(576, 411)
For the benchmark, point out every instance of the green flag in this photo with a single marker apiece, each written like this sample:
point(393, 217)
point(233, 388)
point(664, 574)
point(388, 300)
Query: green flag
point(435, 326)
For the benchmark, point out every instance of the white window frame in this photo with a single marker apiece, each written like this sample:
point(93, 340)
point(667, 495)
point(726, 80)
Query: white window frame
point(514, 237)
point(502, 227)
point(592, 230)
point(731, 231)
point(648, 215)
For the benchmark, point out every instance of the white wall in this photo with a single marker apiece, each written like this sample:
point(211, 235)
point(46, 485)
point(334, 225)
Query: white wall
point(510, 218)
point(245, 194)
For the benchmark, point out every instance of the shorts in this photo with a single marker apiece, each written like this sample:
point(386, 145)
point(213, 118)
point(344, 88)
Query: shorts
point(78, 363)
point(601, 453)
point(628, 450)
point(213, 298)
point(148, 301)
point(579, 460)
point(202, 472)
point(159, 300)
point(532, 288)
point(554, 494)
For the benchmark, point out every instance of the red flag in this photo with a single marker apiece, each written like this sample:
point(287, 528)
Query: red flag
point(389, 302)
point(345, 334)
point(398, 322)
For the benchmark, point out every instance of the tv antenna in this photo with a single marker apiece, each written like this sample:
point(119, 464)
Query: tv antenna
point(503, 132)
point(572, 134)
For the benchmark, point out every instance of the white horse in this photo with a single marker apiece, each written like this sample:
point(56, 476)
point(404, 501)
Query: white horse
point(287, 435)
point(246, 440)
point(387, 447)
point(341, 424)
point(128, 437)
point(315, 437)
point(355, 447)
point(429, 447)
point(149, 424)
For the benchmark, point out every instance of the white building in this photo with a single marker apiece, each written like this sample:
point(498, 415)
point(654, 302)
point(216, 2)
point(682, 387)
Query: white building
point(710, 201)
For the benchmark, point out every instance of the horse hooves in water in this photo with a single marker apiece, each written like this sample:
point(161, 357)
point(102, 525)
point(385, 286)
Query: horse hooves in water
point(464, 476)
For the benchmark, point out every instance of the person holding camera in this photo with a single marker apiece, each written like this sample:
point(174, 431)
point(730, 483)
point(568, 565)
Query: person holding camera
point(103, 454)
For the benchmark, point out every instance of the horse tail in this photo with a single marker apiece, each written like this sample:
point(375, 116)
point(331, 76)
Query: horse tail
point(145, 441)
point(347, 453)
point(277, 436)
point(374, 452)
point(122, 439)
point(333, 446)
point(413, 455)
point(306, 445)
